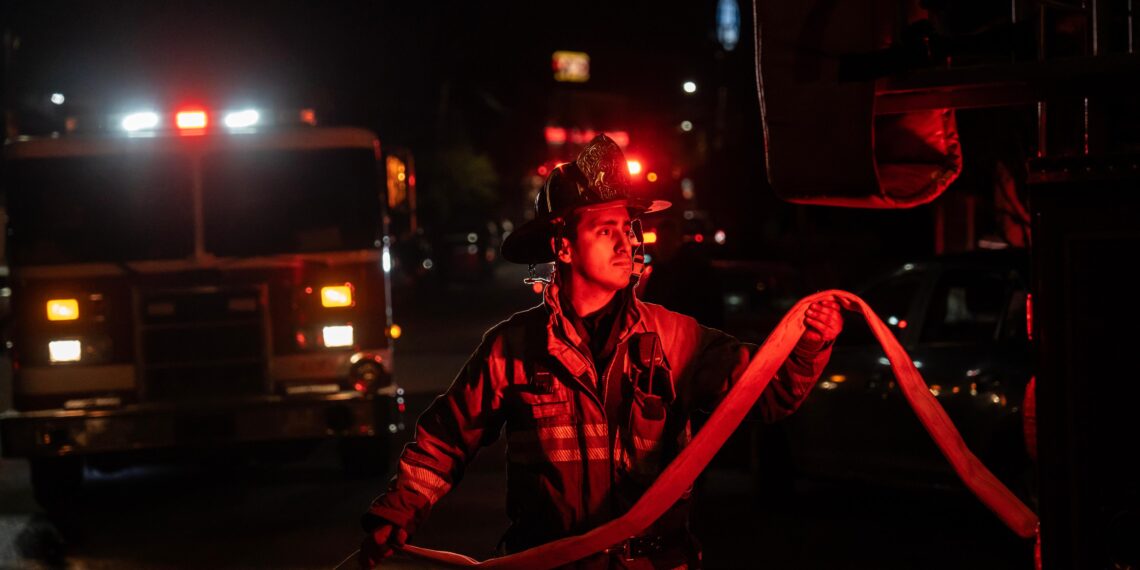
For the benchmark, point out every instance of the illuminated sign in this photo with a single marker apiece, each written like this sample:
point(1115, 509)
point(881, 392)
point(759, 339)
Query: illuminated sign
point(571, 66)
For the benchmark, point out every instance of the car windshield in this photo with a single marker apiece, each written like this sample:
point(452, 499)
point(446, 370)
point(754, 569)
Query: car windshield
point(99, 209)
point(283, 201)
point(892, 300)
point(969, 305)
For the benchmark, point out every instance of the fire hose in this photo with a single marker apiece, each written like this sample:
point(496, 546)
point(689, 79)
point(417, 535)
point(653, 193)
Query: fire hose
point(679, 475)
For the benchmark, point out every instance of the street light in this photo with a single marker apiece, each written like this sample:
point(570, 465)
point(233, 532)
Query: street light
point(689, 87)
point(57, 98)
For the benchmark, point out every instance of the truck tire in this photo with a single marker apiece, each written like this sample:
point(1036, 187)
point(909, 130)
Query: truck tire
point(363, 457)
point(56, 481)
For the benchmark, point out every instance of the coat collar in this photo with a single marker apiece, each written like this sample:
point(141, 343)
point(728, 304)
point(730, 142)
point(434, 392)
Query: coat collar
point(562, 338)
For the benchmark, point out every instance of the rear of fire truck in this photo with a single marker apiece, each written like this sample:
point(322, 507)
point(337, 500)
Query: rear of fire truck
point(196, 281)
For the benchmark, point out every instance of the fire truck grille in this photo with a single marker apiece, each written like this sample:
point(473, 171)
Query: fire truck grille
point(204, 343)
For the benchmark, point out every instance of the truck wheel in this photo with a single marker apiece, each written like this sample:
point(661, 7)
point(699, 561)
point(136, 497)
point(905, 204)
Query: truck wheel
point(56, 481)
point(364, 456)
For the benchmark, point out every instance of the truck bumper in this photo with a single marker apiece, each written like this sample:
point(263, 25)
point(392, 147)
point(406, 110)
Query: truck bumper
point(52, 433)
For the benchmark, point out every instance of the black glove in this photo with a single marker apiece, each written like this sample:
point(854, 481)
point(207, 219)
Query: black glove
point(383, 541)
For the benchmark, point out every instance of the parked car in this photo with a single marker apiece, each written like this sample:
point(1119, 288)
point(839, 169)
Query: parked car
point(962, 319)
point(756, 295)
point(467, 253)
point(412, 259)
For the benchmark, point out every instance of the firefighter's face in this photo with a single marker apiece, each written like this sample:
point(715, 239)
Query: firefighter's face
point(601, 252)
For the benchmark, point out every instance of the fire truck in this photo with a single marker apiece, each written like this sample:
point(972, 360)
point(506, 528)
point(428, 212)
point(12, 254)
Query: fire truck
point(197, 281)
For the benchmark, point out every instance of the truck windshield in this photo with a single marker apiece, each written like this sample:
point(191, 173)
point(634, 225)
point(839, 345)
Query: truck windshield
point(260, 202)
point(99, 209)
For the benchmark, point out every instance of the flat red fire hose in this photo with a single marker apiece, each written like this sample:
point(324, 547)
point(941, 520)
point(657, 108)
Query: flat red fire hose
point(681, 473)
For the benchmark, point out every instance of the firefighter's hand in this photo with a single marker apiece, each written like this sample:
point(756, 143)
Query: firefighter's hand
point(383, 542)
point(823, 321)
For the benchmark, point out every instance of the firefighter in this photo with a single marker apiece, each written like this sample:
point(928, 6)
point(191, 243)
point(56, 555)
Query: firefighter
point(595, 388)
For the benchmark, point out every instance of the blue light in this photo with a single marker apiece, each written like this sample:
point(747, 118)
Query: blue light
point(728, 24)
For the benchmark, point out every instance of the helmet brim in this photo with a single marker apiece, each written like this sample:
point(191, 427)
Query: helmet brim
point(530, 243)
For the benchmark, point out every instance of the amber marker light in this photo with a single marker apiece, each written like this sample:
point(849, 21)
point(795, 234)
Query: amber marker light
point(337, 296)
point(63, 309)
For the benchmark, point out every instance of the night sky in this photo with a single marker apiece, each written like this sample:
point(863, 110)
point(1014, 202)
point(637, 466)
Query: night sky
point(380, 64)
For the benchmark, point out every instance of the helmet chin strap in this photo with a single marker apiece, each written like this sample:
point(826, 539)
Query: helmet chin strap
point(533, 277)
point(638, 251)
point(638, 263)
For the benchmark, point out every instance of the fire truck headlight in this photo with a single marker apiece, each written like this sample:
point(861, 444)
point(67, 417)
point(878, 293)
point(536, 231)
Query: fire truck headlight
point(242, 119)
point(65, 350)
point(337, 296)
point(337, 336)
point(140, 121)
point(63, 309)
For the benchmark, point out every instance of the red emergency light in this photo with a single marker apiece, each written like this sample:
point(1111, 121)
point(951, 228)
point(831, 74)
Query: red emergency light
point(579, 136)
point(309, 117)
point(1029, 316)
point(619, 137)
point(195, 119)
point(555, 135)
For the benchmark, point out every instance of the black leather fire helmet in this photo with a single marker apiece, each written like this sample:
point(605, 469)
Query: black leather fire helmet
point(598, 178)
